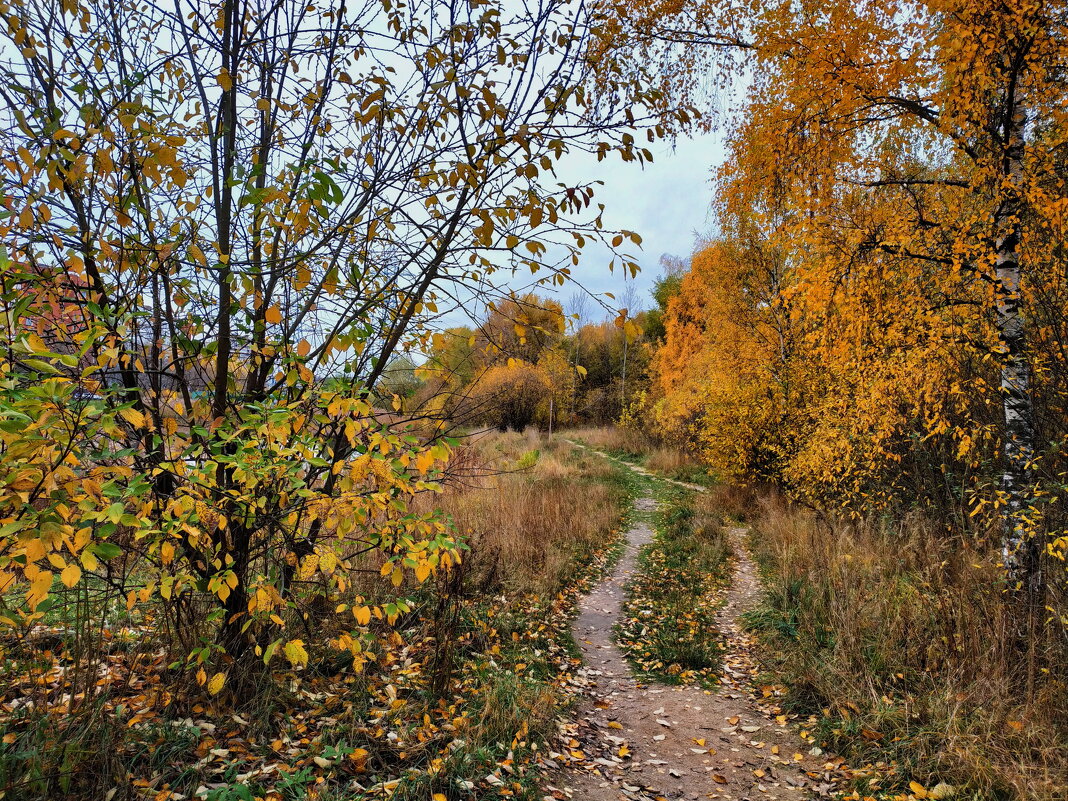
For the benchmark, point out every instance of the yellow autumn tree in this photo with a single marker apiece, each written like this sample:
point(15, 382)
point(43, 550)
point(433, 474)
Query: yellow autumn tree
point(234, 232)
point(912, 152)
point(720, 374)
point(508, 396)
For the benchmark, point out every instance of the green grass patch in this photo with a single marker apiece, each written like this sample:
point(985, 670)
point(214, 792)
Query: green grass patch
point(668, 630)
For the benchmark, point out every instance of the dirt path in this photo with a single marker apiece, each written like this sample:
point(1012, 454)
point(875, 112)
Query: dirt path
point(639, 741)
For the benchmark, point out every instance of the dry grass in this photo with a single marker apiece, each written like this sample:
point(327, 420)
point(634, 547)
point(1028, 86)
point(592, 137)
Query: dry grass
point(660, 457)
point(529, 508)
point(613, 439)
point(901, 636)
point(733, 501)
point(668, 460)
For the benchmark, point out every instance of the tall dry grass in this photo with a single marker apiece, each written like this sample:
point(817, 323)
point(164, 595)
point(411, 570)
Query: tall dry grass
point(613, 439)
point(668, 460)
point(899, 637)
point(660, 457)
point(529, 508)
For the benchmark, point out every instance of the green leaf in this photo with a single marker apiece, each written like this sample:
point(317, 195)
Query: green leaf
point(106, 550)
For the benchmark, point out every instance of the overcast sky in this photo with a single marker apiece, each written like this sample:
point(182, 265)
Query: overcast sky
point(666, 202)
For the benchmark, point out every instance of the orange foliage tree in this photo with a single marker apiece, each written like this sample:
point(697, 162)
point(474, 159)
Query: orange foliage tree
point(907, 157)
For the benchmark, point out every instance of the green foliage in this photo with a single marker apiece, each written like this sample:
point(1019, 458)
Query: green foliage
point(664, 289)
point(233, 792)
point(42, 757)
point(399, 378)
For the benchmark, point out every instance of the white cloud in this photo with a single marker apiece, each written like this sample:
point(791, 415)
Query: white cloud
point(666, 202)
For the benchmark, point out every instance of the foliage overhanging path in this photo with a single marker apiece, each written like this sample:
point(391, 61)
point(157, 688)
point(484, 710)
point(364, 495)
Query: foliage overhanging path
point(648, 741)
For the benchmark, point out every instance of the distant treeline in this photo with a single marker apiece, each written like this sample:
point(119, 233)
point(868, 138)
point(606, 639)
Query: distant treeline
point(530, 362)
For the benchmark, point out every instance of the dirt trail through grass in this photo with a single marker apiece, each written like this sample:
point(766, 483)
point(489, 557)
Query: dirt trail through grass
point(646, 741)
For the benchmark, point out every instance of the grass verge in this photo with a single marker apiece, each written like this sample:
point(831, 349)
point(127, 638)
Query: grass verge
point(635, 447)
point(894, 637)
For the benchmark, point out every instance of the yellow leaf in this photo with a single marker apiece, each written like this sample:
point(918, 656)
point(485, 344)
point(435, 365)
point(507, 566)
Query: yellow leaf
point(303, 277)
point(40, 586)
point(295, 653)
point(224, 79)
point(216, 683)
point(134, 417)
point(422, 570)
point(424, 461)
point(273, 315)
point(362, 615)
point(303, 348)
point(201, 677)
point(919, 790)
point(167, 553)
point(34, 550)
point(71, 575)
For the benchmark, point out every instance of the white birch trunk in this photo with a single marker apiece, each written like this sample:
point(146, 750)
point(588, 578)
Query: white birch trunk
point(1019, 547)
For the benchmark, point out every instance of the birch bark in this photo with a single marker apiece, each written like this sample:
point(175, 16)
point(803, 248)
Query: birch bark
point(1019, 546)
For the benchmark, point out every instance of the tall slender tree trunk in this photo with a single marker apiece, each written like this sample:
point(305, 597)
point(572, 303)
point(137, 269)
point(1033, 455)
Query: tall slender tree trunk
point(1019, 545)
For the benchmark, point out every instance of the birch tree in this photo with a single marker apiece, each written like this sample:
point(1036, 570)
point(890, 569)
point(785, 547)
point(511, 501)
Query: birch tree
point(951, 114)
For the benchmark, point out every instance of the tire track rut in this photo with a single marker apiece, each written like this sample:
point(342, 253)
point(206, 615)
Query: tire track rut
point(633, 740)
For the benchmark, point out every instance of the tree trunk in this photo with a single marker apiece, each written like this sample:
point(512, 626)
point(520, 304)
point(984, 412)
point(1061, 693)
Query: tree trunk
point(1019, 545)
